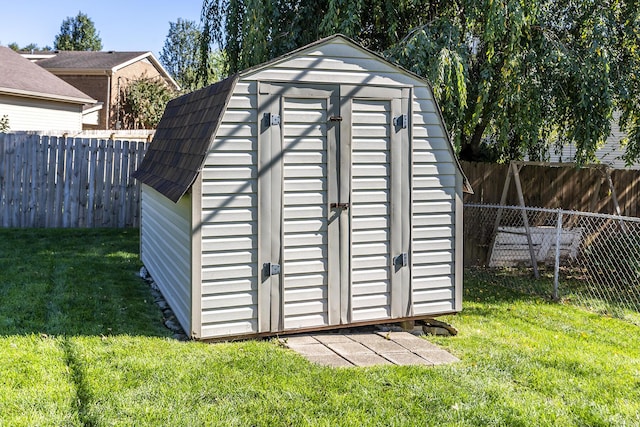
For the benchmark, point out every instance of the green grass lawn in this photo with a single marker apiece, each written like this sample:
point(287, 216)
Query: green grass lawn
point(82, 344)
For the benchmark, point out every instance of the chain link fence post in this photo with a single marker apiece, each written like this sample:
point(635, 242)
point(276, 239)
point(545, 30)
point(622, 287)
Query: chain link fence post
point(556, 267)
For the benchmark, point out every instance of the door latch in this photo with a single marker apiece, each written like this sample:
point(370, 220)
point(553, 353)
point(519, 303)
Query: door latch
point(343, 206)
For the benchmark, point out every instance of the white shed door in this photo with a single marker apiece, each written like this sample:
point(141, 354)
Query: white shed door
point(338, 207)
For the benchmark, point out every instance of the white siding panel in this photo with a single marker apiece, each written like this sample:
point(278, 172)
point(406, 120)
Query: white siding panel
point(239, 286)
point(433, 168)
point(228, 257)
point(228, 329)
point(432, 232)
point(432, 245)
point(436, 307)
point(426, 220)
point(228, 315)
point(444, 193)
point(210, 201)
point(433, 282)
point(432, 270)
point(433, 257)
point(433, 156)
point(36, 114)
point(166, 249)
point(234, 144)
point(437, 144)
point(236, 299)
point(305, 321)
point(229, 215)
point(373, 313)
point(229, 272)
point(419, 181)
point(237, 229)
point(229, 173)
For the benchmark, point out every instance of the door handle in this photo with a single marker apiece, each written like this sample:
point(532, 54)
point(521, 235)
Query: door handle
point(343, 206)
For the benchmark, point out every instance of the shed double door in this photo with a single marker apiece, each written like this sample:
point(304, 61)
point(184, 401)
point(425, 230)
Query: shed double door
point(334, 205)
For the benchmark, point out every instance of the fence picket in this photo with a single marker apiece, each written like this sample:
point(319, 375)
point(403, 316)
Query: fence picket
point(48, 181)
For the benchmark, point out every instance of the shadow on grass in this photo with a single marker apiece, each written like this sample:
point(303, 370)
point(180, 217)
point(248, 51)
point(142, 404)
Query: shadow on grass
point(74, 282)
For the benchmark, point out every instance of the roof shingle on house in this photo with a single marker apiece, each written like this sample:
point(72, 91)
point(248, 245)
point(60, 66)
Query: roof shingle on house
point(90, 60)
point(182, 139)
point(21, 77)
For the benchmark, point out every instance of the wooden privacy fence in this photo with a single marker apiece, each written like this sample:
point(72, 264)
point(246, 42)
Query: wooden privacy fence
point(580, 189)
point(49, 181)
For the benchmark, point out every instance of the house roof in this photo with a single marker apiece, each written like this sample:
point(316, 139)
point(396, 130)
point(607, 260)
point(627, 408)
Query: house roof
point(20, 77)
point(89, 62)
point(189, 125)
point(182, 139)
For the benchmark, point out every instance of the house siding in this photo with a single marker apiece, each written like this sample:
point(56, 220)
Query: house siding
point(96, 87)
point(34, 114)
point(165, 246)
point(230, 270)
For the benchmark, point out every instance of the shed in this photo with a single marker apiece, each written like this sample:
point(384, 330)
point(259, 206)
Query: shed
point(317, 191)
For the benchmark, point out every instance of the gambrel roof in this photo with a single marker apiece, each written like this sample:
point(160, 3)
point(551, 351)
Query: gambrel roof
point(189, 125)
point(182, 139)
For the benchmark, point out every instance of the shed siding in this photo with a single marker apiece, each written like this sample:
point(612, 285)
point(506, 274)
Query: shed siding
point(36, 114)
point(434, 226)
point(229, 221)
point(371, 210)
point(230, 270)
point(165, 249)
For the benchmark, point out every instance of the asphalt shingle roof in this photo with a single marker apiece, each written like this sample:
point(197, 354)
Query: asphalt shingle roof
point(88, 60)
point(182, 139)
point(22, 77)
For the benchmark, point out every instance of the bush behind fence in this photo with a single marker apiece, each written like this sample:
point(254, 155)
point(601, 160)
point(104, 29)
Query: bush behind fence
point(49, 181)
point(592, 260)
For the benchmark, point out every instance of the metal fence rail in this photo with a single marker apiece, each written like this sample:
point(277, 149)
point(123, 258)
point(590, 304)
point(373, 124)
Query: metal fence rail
point(592, 260)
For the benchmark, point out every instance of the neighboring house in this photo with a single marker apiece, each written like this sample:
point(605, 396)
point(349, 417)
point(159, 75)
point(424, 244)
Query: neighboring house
point(102, 75)
point(610, 153)
point(36, 100)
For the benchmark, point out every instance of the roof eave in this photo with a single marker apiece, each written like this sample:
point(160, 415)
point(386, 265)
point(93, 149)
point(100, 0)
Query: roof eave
point(155, 63)
point(47, 96)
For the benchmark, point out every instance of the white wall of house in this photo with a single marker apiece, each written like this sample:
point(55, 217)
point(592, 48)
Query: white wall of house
point(31, 114)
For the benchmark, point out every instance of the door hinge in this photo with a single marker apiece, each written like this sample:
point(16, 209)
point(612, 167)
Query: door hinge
point(401, 260)
point(274, 119)
point(271, 269)
point(402, 121)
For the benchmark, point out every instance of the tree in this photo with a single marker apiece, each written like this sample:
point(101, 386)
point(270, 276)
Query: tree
point(4, 123)
point(143, 102)
point(28, 48)
point(78, 33)
point(513, 77)
point(181, 56)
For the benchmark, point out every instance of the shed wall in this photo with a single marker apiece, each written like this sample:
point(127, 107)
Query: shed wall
point(165, 245)
point(229, 221)
point(37, 114)
point(230, 201)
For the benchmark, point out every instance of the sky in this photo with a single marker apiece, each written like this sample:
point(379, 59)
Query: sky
point(122, 25)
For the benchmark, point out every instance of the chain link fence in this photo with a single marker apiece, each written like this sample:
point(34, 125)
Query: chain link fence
point(591, 260)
